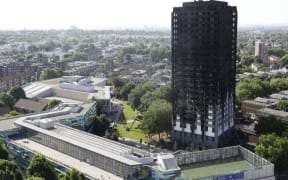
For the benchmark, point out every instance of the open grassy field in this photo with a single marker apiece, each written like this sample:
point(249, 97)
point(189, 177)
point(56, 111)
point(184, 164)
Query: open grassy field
point(129, 113)
point(215, 169)
point(134, 132)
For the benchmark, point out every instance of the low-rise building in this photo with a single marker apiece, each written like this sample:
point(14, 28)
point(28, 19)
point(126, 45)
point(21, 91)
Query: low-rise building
point(29, 106)
point(268, 111)
point(72, 87)
point(250, 107)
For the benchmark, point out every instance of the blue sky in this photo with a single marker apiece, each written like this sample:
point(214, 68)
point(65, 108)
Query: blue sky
point(90, 14)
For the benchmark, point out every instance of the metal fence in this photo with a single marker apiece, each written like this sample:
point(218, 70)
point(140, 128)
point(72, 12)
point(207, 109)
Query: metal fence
point(262, 168)
point(207, 155)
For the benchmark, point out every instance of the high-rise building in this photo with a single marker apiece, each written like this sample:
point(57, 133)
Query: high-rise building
point(259, 49)
point(204, 37)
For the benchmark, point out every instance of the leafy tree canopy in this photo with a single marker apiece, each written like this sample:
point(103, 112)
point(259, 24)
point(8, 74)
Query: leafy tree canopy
point(278, 84)
point(3, 151)
point(150, 97)
point(7, 99)
point(284, 61)
point(99, 125)
point(52, 103)
point(157, 118)
point(274, 149)
point(50, 73)
point(282, 105)
point(115, 80)
point(276, 52)
point(73, 175)
point(125, 90)
point(9, 170)
point(41, 167)
point(268, 125)
point(250, 88)
point(35, 178)
point(17, 93)
point(134, 98)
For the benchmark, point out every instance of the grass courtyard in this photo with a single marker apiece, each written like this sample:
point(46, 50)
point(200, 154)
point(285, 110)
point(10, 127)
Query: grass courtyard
point(134, 132)
point(215, 169)
point(129, 113)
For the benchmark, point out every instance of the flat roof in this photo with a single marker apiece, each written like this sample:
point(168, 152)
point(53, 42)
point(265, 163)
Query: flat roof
point(206, 170)
point(99, 145)
point(51, 81)
point(66, 160)
point(6, 124)
point(273, 112)
point(62, 99)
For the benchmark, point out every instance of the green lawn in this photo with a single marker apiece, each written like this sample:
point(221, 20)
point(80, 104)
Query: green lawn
point(215, 169)
point(133, 133)
point(129, 113)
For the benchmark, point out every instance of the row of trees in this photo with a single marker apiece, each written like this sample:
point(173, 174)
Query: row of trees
point(152, 101)
point(39, 169)
point(156, 52)
point(250, 88)
point(50, 73)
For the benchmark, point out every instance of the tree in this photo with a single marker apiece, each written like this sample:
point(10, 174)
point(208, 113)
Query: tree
point(268, 125)
point(250, 88)
point(279, 84)
point(35, 178)
point(73, 175)
point(50, 73)
point(150, 97)
point(52, 103)
point(17, 93)
point(7, 99)
point(277, 52)
point(40, 167)
point(98, 105)
point(126, 50)
point(3, 151)
point(159, 52)
point(157, 118)
point(245, 59)
point(2, 103)
point(274, 149)
point(126, 89)
point(115, 80)
point(284, 61)
point(282, 105)
point(134, 98)
point(99, 125)
point(12, 113)
point(9, 170)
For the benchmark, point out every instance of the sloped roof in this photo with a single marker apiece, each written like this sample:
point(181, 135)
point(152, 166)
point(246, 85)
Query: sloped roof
point(30, 105)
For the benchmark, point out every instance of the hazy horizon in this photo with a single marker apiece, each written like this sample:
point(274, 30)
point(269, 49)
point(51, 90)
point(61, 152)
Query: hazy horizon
point(125, 14)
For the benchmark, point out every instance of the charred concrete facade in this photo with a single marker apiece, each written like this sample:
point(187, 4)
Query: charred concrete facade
point(204, 37)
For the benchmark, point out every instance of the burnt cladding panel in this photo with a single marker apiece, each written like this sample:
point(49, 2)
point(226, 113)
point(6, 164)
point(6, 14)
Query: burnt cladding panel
point(203, 59)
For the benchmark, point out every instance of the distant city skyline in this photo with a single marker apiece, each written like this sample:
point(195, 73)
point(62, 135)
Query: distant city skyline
point(91, 14)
